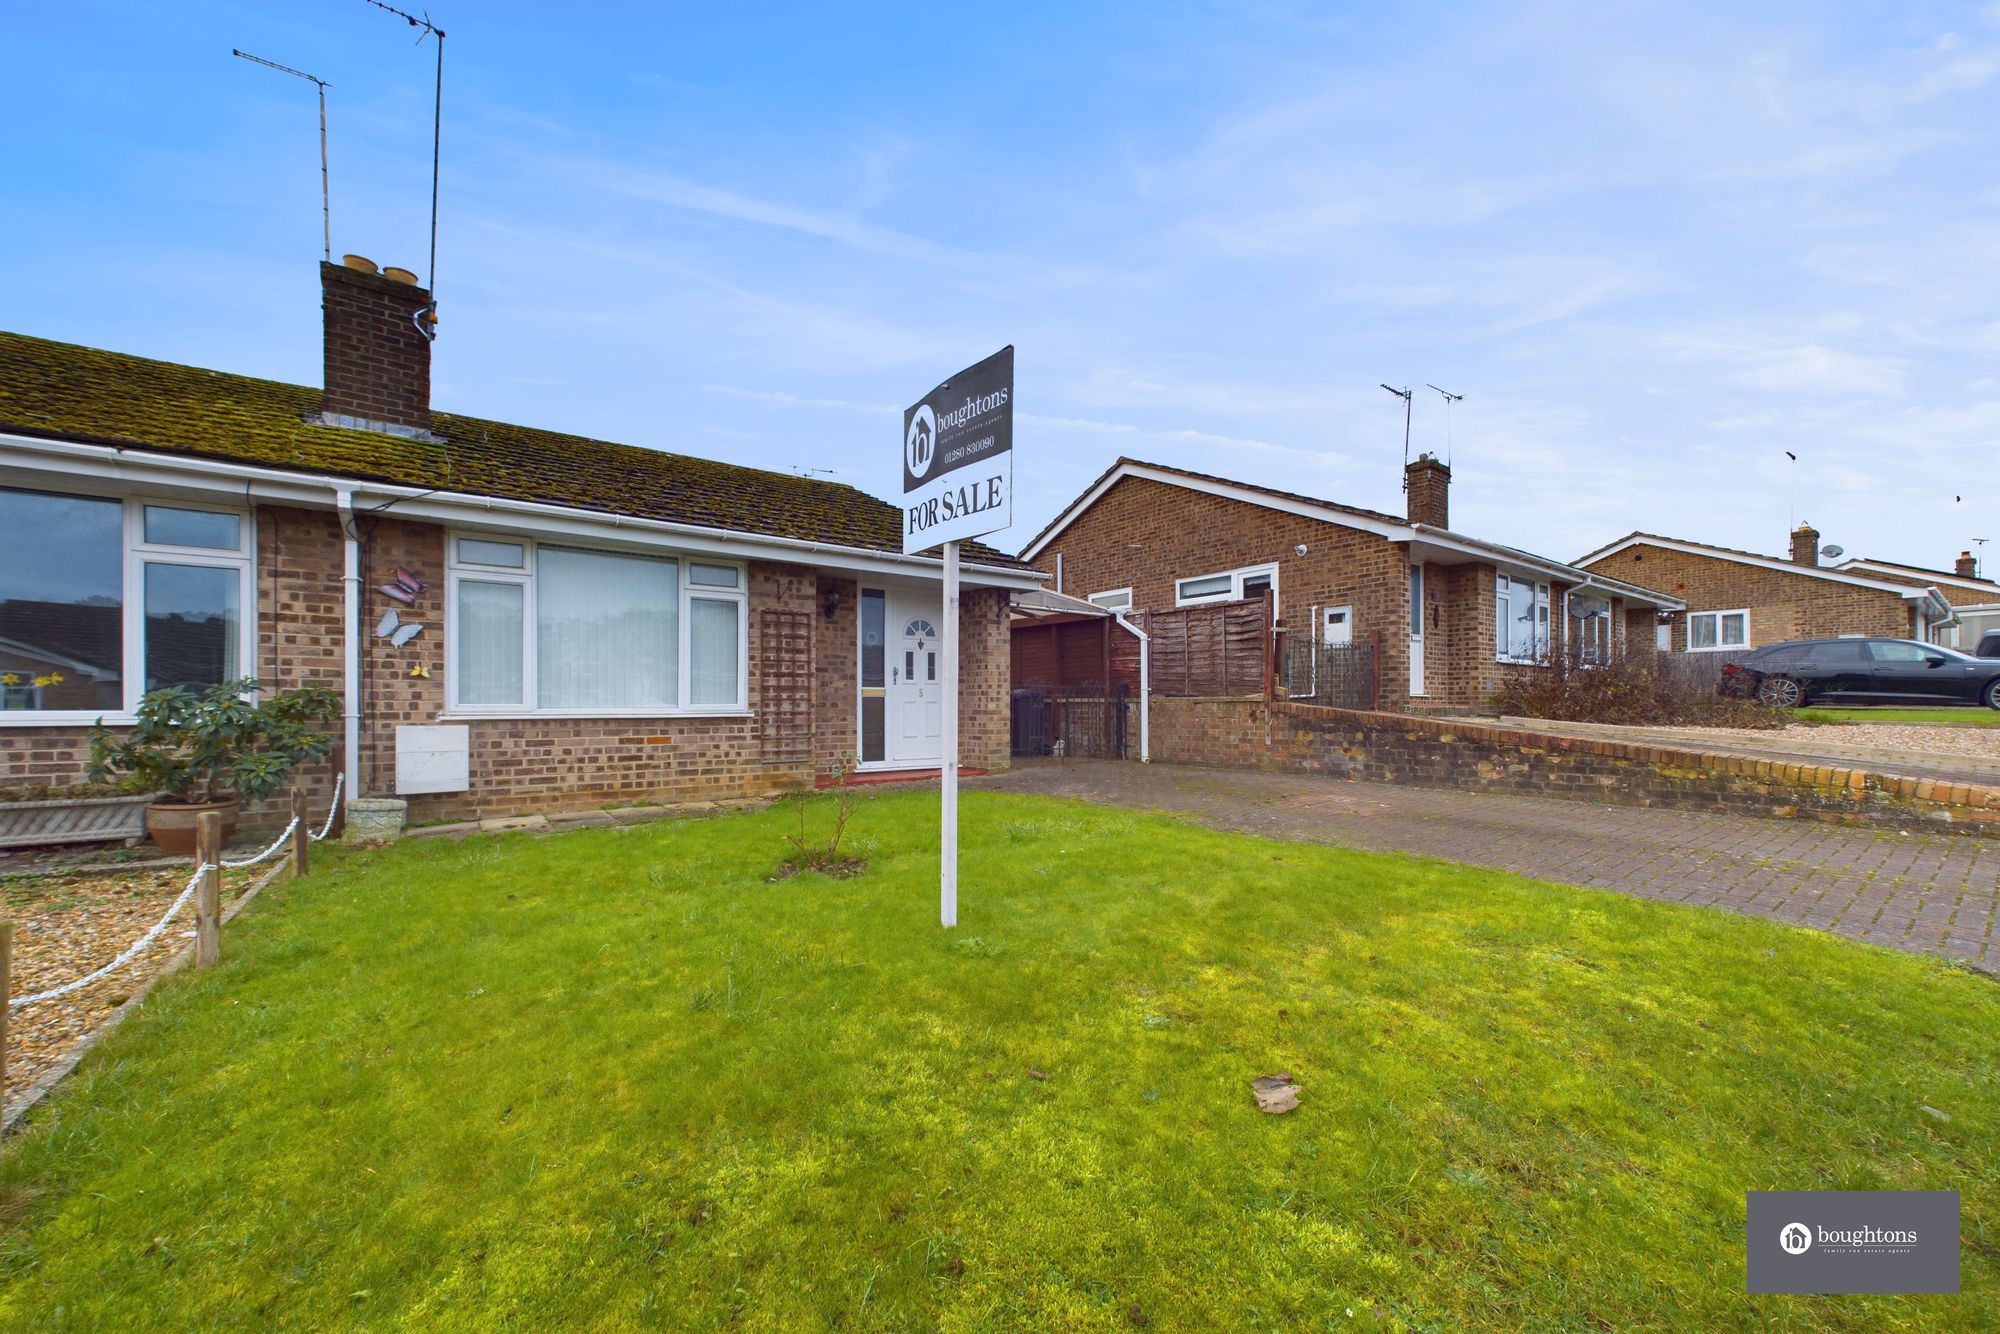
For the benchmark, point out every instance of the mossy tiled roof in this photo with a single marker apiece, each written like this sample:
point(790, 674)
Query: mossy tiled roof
point(84, 393)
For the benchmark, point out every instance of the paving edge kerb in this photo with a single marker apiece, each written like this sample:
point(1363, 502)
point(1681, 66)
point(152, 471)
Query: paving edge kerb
point(1472, 755)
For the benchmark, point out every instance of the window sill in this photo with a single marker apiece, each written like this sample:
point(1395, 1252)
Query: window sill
point(1522, 662)
point(1720, 648)
point(52, 718)
point(588, 715)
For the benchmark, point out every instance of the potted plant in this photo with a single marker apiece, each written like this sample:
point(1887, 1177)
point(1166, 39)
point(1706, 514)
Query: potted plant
point(211, 751)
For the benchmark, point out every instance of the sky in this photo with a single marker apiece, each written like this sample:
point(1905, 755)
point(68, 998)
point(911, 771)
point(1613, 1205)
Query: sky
point(1653, 246)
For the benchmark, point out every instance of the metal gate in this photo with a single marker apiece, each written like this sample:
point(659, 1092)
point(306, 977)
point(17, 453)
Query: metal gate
point(1080, 721)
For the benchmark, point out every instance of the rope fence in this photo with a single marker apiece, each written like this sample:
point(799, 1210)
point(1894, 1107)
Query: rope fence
point(205, 868)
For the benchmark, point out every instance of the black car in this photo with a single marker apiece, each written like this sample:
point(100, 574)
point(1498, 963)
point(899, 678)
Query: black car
point(1863, 671)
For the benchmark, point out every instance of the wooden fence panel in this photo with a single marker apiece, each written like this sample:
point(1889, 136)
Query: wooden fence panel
point(1217, 649)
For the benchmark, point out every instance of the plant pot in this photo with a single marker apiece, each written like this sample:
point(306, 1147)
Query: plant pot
point(174, 825)
point(27, 824)
point(375, 819)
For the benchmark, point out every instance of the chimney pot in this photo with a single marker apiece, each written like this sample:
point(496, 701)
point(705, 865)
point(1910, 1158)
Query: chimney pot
point(1427, 481)
point(359, 263)
point(400, 275)
point(1965, 567)
point(1805, 545)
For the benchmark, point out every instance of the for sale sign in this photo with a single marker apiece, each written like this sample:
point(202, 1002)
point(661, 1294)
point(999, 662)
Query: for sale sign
point(958, 457)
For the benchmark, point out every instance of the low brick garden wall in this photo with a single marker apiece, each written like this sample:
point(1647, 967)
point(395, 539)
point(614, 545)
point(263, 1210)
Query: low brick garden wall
point(1483, 757)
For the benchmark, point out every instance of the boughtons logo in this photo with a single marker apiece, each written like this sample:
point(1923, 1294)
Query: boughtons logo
point(1796, 1238)
point(920, 443)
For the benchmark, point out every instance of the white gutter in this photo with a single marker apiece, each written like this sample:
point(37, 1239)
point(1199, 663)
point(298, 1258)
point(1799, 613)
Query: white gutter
point(1145, 688)
point(1423, 532)
point(491, 511)
point(350, 609)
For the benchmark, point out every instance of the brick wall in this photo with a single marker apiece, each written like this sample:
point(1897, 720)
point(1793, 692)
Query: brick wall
point(1451, 753)
point(836, 677)
point(985, 679)
point(1147, 534)
point(377, 362)
point(540, 764)
point(1783, 604)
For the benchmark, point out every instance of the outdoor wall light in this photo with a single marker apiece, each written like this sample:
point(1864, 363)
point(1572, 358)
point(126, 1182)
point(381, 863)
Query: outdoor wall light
point(829, 602)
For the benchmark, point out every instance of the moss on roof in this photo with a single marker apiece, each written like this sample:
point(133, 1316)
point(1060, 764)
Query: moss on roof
point(82, 393)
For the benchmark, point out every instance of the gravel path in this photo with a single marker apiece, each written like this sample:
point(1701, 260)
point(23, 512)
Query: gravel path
point(1983, 742)
point(64, 926)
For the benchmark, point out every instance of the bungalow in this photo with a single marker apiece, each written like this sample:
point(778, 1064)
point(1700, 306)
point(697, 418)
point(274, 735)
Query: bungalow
point(1451, 615)
point(1738, 600)
point(517, 619)
point(1975, 601)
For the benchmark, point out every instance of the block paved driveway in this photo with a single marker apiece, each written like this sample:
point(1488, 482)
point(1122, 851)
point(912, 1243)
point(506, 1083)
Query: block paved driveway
point(1937, 893)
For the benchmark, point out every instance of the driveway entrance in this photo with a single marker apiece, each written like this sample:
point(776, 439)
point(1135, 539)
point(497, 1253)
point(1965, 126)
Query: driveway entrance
point(1930, 893)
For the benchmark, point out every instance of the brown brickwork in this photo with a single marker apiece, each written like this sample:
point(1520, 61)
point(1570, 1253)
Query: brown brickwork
point(377, 362)
point(1145, 534)
point(1427, 487)
point(801, 680)
point(1455, 753)
point(1783, 604)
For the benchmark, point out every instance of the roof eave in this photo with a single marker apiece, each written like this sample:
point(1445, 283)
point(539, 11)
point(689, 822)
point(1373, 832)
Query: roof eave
point(308, 489)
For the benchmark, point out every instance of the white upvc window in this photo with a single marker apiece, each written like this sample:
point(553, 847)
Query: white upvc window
point(1252, 581)
point(1590, 626)
point(561, 630)
point(1112, 599)
point(1521, 619)
point(1718, 631)
point(105, 598)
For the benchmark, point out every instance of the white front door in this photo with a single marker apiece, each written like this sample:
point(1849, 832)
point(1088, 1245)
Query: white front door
point(1416, 629)
point(916, 688)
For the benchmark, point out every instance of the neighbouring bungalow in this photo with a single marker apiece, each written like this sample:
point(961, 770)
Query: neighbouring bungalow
point(1450, 616)
point(518, 620)
point(1974, 600)
point(1738, 600)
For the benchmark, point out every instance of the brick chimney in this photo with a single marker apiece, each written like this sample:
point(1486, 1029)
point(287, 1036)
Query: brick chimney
point(1428, 484)
point(378, 361)
point(1805, 545)
point(1965, 567)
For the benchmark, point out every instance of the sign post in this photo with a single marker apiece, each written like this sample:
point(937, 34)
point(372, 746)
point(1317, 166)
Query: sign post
point(958, 483)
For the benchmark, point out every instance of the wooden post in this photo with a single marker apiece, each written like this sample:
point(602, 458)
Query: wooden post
point(208, 893)
point(301, 836)
point(6, 993)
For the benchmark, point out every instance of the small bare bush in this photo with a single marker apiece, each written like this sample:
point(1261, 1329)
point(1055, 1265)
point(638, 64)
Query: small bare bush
point(823, 855)
point(1632, 690)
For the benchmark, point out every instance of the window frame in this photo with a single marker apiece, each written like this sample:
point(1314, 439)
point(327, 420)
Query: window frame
point(1540, 596)
point(458, 571)
point(135, 554)
point(1687, 631)
point(1590, 654)
point(1125, 592)
point(1236, 579)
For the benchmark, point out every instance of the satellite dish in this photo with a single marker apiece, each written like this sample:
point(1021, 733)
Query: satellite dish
point(1832, 552)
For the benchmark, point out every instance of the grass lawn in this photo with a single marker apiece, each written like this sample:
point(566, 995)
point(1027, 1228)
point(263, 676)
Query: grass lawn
point(1936, 717)
point(615, 1078)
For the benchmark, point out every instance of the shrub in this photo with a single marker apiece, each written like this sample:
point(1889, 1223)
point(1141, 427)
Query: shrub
point(810, 854)
point(1633, 690)
point(203, 748)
